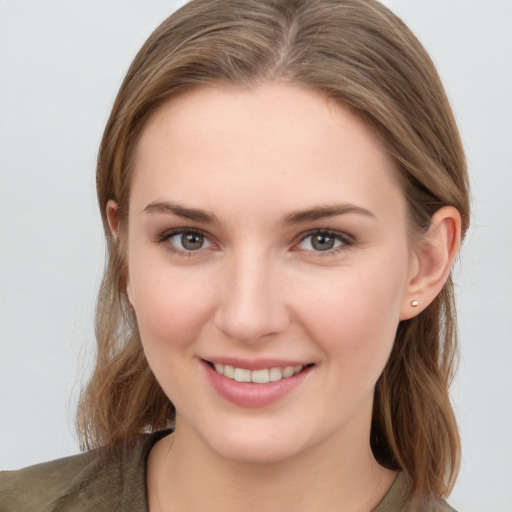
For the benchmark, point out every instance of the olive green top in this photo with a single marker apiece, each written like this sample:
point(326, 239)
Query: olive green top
point(107, 480)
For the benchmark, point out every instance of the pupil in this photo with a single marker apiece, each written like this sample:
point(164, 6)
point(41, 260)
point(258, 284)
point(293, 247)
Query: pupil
point(322, 242)
point(191, 241)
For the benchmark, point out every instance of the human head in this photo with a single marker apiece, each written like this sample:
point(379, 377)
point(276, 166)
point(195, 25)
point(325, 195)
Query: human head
point(355, 52)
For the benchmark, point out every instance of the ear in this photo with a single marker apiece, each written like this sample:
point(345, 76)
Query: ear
point(113, 222)
point(113, 218)
point(433, 259)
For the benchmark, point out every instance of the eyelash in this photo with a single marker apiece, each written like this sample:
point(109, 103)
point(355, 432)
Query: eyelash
point(346, 241)
point(167, 235)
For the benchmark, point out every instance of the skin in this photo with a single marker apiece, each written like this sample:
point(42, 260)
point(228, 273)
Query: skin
point(258, 288)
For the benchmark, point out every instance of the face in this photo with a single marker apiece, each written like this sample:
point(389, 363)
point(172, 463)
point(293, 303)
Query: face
point(268, 263)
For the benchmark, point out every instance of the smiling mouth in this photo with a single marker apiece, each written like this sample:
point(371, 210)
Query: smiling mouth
point(262, 376)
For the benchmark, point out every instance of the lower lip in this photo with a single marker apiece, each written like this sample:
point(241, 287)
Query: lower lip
point(249, 394)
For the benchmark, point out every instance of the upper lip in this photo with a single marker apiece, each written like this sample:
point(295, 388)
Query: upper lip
point(256, 364)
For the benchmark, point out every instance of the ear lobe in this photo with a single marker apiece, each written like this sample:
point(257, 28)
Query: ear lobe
point(434, 255)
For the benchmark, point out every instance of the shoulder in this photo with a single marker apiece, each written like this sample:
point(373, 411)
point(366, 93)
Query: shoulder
point(396, 500)
point(44, 484)
point(99, 480)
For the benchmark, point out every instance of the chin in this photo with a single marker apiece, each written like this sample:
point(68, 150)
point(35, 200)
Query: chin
point(262, 445)
point(256, 453)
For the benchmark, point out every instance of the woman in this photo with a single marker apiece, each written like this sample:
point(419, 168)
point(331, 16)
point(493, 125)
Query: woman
point(283, 191)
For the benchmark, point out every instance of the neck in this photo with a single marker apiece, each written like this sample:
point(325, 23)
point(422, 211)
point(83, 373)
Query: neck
point(185, 474)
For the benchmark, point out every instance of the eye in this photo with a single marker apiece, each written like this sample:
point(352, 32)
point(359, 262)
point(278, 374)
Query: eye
point(185, 241)
point(324, 241)
point(188, 241)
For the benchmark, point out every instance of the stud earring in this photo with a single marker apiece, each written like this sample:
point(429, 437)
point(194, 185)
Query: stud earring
point(414, 303)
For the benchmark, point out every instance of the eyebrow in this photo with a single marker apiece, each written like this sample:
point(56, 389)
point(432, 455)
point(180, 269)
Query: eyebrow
point(194, 214)
point(322, 212)
point(297, 217)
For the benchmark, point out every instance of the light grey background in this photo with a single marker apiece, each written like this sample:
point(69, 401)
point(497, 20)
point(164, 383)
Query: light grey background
point(61, 63)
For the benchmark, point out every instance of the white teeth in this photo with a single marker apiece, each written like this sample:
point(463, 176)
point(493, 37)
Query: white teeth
point(242, 375)
point(288, 371)
point(275, 374)
point(257, 376)
point(260, 376)
point(229, 371)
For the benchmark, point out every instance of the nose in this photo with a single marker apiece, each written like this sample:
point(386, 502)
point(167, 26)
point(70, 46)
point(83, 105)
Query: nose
point(252, 303)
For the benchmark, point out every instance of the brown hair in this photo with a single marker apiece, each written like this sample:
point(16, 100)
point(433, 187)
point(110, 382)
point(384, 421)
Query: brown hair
point(360, 54)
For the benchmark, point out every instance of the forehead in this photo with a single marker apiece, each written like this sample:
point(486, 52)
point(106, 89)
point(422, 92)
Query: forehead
point(279, 142)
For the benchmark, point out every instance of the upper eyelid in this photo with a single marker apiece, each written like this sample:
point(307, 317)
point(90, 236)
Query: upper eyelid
point(168, 233)
point(324, 231)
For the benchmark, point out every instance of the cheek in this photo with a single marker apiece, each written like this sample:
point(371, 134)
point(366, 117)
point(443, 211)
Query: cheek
point(171, 309)
point(354, 316)
point(171, 306)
